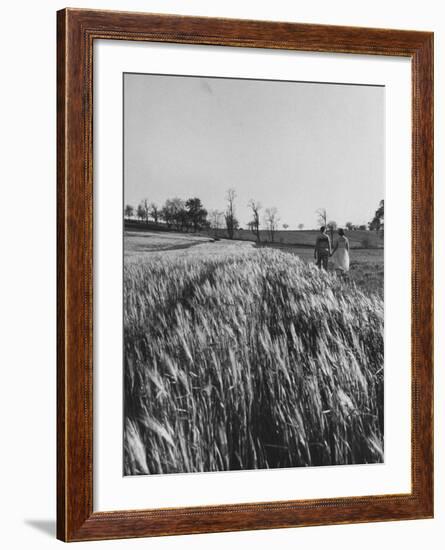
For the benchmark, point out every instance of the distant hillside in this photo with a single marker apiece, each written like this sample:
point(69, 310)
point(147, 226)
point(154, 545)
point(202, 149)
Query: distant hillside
point(304, 238)
point(357, 239)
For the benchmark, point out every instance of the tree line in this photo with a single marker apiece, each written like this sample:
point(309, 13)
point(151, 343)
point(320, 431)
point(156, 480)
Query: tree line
point(376, 224)
point(176, 213)
point(190, 215)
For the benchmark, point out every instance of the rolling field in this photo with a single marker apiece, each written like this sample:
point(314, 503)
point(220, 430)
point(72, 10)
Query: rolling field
point(307, 237)
point(358, 239)
point(238, 357)
point(366, 264)
point(139, 243)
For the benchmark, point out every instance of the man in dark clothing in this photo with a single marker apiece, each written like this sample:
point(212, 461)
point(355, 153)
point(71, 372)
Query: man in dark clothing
point(322, 249)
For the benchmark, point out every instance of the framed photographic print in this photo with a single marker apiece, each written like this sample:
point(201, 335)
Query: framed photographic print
point(245, 252)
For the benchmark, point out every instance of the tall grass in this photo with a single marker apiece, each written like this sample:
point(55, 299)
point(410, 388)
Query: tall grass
point(253, 360)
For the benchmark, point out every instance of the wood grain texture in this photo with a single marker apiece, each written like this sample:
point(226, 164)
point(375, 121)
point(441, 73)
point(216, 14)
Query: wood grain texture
point(76, 32)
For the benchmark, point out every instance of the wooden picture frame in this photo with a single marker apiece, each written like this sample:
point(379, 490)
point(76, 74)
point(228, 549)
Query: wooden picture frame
point(76, 32)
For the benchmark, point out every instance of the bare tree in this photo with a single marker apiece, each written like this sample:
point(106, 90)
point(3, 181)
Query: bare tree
point(300, 226)
point(216, 218)
point(349, 226)
point(285, 226)
point(254, 224)
point(231, 221)
point(322, 216)
point(271, 220)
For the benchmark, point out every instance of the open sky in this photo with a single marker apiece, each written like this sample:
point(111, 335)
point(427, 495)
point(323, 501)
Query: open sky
point(290, 145)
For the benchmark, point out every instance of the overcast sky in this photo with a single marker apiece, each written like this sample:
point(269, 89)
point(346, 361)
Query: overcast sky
point(296, 146)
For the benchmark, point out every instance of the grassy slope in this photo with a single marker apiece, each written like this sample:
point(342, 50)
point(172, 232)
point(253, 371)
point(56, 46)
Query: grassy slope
point(304, 238)
point(248, 360)
point(366, 264)
point(138, 243)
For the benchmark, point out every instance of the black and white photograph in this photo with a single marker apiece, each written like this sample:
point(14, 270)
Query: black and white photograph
point(253, 278)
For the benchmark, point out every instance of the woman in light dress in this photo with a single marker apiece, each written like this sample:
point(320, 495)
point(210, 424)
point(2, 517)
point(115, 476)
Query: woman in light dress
point(341, 252)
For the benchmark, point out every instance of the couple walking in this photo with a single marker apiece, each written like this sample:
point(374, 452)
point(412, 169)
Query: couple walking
point(323, 250)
